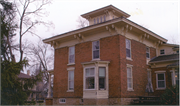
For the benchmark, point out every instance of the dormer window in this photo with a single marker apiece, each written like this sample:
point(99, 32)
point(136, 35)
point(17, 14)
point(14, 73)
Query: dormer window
point(97, 20)
point(94, 21)
point(162, 52)
point(104, 18)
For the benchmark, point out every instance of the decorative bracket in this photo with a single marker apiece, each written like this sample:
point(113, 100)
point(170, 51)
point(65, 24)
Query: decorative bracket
point(79, 37)
point(55, 43)
point(143, 37)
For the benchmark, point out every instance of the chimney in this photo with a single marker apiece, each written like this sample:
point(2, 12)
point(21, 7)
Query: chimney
point(28, 72)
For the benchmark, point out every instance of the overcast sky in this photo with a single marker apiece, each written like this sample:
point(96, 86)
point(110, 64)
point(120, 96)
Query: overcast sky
point(159, 16)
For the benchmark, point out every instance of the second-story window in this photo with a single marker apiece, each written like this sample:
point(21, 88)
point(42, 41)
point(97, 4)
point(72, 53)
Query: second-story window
point(162, 52)
point(95, 50)
point(101, 19)
point(147, 52)
point(128, 48)
point(72, 54)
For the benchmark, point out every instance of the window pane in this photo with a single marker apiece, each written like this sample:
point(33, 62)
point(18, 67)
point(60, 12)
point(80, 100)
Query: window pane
point(71, 50)
point(161, 84)
point(90, 83)
point(97, 20)
point(71, 59)
point(102, 83)
point(128, 54)
point(102, 71)
point(95, 54)
point(162, 51)
point(71, 54)
point(87, 72)
point(71, 75)
point(101, 19)
point(128, 72)
point(147, 55)
point(128, 80)
point(71, 85)
point(128, 46)
point(94, 21)
point(147, 49)
point(129, 85)
point(95, 45)
point(91, 71)
point(104, 18)
point(160, 76)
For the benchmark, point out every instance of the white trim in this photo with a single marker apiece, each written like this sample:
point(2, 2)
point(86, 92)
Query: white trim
point(99, 50)
point(68, 82)
point(159, 71)
point(130, 89)
point(69, 64)
point(129, 65)
point(70, 68)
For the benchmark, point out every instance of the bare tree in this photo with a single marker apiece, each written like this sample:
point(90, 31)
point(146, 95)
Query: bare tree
point(30, 14)
point(82, 22)
point(41, 58)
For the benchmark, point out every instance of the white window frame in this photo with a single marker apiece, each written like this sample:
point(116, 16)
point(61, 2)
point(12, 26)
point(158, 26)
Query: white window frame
point(160, 72)
point(130, 66)
point(94, 50)
point(70, 69)
point(85, 78)
point(129, 58)
point(70, 80)
point(69, 56)
point(60, 100)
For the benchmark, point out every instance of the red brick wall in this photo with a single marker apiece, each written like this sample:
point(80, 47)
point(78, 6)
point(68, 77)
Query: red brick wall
point(111, 48)
point(139, 69)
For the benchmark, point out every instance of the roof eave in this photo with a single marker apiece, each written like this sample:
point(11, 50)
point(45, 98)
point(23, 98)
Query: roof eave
point(164, 61)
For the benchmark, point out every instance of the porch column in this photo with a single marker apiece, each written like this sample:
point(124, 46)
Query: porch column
point(173, 76)
point(49, 86)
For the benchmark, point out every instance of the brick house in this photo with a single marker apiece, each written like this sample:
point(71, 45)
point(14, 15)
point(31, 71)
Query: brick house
point(109, 61)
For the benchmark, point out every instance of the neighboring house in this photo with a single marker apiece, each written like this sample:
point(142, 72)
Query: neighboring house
point(110, 61)
point(35, 91)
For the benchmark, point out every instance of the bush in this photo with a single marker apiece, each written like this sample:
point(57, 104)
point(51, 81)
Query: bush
point(170, 96)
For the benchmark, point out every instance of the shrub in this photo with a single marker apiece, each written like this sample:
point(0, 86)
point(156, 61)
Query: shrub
point(170, 96)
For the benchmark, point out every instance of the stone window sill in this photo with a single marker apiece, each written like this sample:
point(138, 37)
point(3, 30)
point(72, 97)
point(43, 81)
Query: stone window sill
point(71, 64)
point(127, 58)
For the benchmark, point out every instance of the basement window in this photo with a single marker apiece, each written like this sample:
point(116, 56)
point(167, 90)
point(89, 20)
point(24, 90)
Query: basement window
point(62, 100)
